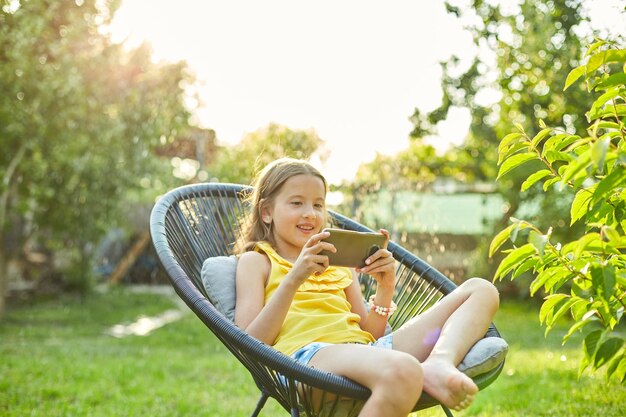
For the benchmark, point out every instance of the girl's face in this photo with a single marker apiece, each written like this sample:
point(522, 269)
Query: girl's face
point(297, 213)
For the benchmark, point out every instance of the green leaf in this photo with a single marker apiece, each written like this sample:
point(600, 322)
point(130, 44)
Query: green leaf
point(564, 142)
point(604, 57)
point(532, 179)
point(552, 141)
point(594, 46)
point(540, 279)
point(598, 153)
point(515, 257)
point(601, 101)
point(598, 246)
point(523, 267)
point(548, 279)
point(603, 279)
point(608, 185)
point(575, 167)
point(500, 238)
point(508, 139)
point(577, 326)
point(612, 235)
point(583, 242)
point(617, 368)
point(604, 311)
point(507, 152)
point(514, 162)
point(548, 306)
point(540, 136)
point(613, 80)
point(563, 308)
point(603, 124)
point(580, 205)
point(550, 182)
point(606, 351)
point(573, 75)
point(615, 55)
point(618, 110)
point(590, 345)
point(538, 241)
point(577, 144)
point(553, 156)
point(579, 308)
point(519, 225)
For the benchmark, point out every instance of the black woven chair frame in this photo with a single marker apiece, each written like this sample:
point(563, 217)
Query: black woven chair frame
point(194, 222)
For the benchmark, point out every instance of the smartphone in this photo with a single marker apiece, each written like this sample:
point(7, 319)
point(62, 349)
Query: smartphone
point(353, 248)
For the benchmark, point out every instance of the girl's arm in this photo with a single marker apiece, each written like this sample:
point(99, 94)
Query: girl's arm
point(265, 321)
point(258, 320)
point(370, 321)
point(381, 266)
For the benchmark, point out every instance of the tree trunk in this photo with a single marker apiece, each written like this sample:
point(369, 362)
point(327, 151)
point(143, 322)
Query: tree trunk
point(4, 277)
point(5, 198)
point(6, 184)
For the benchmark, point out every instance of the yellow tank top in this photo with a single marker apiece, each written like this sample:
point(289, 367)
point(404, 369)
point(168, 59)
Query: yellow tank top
point(319, 311)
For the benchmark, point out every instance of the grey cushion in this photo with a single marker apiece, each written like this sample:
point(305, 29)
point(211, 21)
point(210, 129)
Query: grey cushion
point(218, 277)
point(484, 356)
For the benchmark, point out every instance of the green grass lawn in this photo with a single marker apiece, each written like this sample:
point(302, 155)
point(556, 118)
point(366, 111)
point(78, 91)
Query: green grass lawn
point(57, 360)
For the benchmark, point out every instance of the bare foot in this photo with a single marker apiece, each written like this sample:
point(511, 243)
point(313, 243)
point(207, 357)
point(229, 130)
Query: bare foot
point(448, 385)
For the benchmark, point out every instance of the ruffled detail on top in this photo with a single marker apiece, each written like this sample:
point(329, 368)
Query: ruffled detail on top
point(332, 279)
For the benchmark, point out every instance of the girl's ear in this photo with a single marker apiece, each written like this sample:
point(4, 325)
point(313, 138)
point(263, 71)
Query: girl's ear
point(266, 215)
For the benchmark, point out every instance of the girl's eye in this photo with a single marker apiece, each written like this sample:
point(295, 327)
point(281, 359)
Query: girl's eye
point(319, 206)
point(296, 203)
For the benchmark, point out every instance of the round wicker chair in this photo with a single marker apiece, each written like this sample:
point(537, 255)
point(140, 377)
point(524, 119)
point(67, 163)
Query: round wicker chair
point(194, 222)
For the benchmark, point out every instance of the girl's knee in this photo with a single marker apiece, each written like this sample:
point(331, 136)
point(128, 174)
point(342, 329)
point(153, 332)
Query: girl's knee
point(483, 288)
point(401, 374)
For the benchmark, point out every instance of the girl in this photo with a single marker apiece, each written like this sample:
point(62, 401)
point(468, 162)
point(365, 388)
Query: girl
point(289, 297)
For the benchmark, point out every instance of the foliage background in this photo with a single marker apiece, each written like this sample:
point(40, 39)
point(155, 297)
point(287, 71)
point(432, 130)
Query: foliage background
point(79, 119)
point(585, 276)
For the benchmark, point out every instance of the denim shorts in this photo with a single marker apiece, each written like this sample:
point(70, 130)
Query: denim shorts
point(305, 353)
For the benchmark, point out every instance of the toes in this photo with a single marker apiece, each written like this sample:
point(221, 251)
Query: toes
point(463, 404)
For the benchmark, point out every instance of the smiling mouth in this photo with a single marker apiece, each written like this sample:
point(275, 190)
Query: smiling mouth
point(306, 228)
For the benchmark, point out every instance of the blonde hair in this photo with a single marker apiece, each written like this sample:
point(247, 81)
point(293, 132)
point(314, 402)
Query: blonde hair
point(266, 187)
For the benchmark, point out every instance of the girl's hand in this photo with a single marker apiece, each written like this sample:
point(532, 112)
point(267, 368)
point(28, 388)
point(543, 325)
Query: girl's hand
point(310, 261)
point(381, 266)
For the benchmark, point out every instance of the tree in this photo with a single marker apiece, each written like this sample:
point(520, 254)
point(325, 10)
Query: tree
point(79, 117)
point(584, 277)
point(525, 50)
point(239, 163)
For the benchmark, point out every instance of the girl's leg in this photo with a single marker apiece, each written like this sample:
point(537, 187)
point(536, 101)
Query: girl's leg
point(441, 336)
point(394, 377)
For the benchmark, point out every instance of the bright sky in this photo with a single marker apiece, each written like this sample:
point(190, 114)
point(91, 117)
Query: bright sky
point(353, 70)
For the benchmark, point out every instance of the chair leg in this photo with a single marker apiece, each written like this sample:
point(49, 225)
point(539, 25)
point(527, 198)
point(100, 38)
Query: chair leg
point(260, 404)
point(447, 411)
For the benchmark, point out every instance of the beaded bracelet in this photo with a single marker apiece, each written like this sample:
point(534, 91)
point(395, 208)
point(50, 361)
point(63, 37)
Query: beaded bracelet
point(380, 310)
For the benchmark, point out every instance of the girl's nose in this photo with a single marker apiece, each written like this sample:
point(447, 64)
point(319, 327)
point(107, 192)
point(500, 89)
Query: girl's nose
point(309, 211)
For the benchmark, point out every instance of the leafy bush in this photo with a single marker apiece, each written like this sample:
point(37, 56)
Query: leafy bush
point(585, 277)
